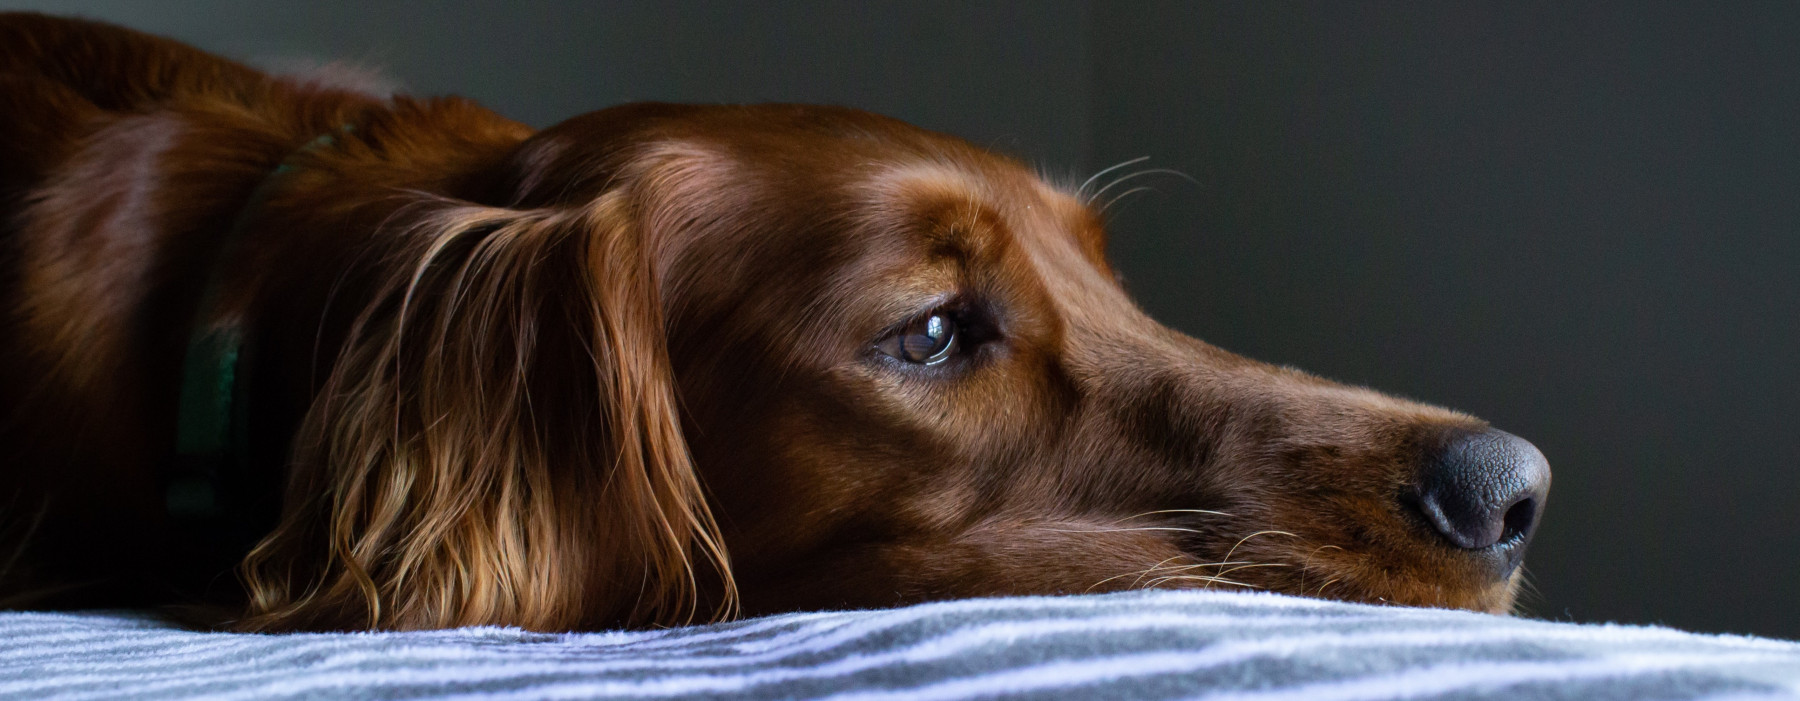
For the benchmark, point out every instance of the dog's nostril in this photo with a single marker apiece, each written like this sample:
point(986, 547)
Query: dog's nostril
point(1480, 489)
point(1519, 520)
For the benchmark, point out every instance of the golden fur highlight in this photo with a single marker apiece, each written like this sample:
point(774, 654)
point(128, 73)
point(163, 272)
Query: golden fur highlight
point(453, 441)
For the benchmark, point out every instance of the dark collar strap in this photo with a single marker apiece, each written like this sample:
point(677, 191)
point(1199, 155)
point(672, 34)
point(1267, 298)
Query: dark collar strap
point(212, 428)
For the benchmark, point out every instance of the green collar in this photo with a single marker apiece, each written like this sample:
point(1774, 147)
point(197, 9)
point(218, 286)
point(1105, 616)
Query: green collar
point(212, 438)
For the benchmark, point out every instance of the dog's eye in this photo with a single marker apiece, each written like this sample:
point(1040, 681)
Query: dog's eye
point(928, 341)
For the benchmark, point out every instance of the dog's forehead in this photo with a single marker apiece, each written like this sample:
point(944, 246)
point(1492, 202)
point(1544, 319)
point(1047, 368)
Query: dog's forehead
point(998, 211)
point(914, 218)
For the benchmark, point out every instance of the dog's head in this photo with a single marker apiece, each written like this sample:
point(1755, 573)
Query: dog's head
point(822, 358)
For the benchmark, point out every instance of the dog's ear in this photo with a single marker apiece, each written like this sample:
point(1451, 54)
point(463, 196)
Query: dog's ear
point(498, 442)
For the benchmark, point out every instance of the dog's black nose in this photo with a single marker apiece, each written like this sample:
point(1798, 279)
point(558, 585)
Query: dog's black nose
point(1483, 488)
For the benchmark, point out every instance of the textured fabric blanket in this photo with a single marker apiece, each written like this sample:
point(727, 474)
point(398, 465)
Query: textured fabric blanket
point(1121, 646)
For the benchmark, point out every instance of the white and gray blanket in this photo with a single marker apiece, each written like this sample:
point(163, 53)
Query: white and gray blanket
point(1143, 645)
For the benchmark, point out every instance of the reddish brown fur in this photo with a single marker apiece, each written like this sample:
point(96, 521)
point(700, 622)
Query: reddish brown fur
point(621, 371)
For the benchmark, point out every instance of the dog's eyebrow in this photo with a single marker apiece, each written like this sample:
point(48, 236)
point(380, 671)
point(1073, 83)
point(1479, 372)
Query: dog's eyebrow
point(902, 184)
point(1017, 197)
point(955, 206)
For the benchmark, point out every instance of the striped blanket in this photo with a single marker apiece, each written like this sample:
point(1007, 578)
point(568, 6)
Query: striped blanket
point(1143, 645)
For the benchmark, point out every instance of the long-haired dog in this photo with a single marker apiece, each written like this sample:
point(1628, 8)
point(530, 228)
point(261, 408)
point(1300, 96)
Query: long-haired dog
point(343, 361)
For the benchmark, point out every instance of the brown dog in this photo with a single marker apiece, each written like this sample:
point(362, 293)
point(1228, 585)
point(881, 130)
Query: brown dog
point(407, 364)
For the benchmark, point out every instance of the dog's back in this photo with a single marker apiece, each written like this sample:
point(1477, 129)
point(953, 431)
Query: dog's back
point(61, 79)
point(58, 76)
point(82, 101)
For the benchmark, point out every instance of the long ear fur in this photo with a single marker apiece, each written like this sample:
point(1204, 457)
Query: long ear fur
point(498, 443)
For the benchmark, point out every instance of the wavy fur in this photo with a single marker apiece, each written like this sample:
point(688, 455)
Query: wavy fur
point(464, 453)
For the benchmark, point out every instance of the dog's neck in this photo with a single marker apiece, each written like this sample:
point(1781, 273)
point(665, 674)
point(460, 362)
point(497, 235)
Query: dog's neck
point(212, 418)
point(335, 191)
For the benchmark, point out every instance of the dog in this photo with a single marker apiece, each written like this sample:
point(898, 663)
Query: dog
point(334, 361)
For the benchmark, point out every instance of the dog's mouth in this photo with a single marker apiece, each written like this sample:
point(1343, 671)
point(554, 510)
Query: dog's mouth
point(1395, 555)
point(1288, 563)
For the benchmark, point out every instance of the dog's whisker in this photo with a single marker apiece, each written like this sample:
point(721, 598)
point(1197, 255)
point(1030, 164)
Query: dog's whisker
point(1139, 173)
point(1139, 573)
point(1164, 567)
point(1102, 172)
point(1096, 585)
point(1158, 567)
point(1242, 540)
point(1205, 564)
point(1128, 529)
point(1208, 512)
point(1528, 594)
point(1222, 573)
point(1109, 203)
point(1306, 565)
point(1209, 580)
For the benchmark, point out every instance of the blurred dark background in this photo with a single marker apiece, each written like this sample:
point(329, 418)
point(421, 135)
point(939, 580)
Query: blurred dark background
point(1579, 222)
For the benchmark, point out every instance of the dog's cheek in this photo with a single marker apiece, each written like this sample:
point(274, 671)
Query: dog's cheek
point(1034, 556)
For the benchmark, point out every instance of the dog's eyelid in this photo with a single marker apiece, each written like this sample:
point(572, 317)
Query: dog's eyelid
point(954, 328)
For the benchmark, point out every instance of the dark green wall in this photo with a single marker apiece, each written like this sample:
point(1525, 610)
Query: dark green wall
point(1579, 221)
point(1582, 223)
point(1012, 78)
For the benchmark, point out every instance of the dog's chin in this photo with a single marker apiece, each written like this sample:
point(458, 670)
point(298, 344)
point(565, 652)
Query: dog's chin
point(1498, 598)
point(1506, 599)
point(1495, 596)
point(1477, 583)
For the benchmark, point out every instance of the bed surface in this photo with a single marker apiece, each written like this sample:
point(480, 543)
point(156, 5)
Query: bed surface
point(1119, 646)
